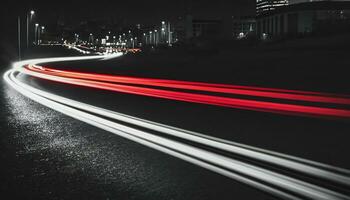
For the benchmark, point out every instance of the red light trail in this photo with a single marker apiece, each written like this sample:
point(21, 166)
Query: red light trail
point(109, 82)
point(206, 87)
point(309, 179)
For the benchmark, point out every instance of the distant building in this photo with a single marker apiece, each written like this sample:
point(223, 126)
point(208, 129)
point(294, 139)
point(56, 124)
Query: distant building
point(304, 18)
point(210, 28)
point(304, 1)
point(243, 26)
point(263, 6)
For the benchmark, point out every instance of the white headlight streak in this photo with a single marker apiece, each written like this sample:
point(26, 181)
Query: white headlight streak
point(276, 183)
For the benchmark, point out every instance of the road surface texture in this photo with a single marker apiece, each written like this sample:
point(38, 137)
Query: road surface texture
point(50, 155)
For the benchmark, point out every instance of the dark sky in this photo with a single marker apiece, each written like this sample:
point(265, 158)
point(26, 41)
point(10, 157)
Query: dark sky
point(129, 11)
point(134, 11)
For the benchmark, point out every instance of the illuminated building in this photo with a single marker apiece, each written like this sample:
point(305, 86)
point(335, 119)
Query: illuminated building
point(305, 18)
point(263, 6)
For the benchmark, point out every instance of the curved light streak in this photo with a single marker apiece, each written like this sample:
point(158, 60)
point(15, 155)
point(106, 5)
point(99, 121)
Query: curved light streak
point(254, 153)
point(206, 159)
point(240, 171)
point(255, 105)
point(217, 88)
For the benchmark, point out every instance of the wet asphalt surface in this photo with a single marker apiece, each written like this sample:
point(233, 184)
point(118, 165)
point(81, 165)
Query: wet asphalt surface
point(50, 156)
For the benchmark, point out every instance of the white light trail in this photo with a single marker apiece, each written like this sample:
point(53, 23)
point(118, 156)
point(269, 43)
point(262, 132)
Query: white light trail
point(251, 152)
point(224, 165)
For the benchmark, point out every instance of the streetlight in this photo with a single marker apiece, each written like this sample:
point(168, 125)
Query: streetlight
point(31, 13)
point(155, 37)
point(150, 37)
point(133, 43)
point(144, 36)
point(36, 33)
point(41, 31)
point(91, 38)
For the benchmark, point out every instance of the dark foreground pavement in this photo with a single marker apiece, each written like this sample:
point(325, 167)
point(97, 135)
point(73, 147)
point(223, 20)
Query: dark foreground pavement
point(46, 155)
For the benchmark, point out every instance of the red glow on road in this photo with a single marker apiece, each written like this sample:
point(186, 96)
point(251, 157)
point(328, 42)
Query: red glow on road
point(99, 82)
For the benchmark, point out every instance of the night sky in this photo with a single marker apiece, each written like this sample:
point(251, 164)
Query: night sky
point(130, 12)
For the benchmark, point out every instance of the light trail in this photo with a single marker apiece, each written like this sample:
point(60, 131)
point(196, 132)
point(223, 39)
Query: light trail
point(90, 119)
point(251, 152)
point(246, 104)
point(217, 163)
point(217, 88)
point(280, 185)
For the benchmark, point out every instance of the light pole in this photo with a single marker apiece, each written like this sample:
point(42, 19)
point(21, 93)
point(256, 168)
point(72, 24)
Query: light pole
point(31, 13)
point(163, 35)
point(155, 37)
point(169, 35)
point(91, 38)
point(163, 38)
point(145, 38)
point(133, 43)
point(19, 37)
point(36, 34)
point(150, 37)
point(129, 35)
point(41, 31)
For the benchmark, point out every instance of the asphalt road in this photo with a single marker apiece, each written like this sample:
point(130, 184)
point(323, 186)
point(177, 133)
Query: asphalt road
point(50, 155)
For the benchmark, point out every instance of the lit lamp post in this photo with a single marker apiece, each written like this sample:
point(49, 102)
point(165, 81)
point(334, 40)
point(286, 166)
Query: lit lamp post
point(150, 38)
point(144, 38)
point(129, 35)
point(155, 37)
point(163, 32)
point(163, 35)
point(169, 35)
point(132, 42)
point(29, 18)
point(91, 38)
point(36, 34)
point(41, 31)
